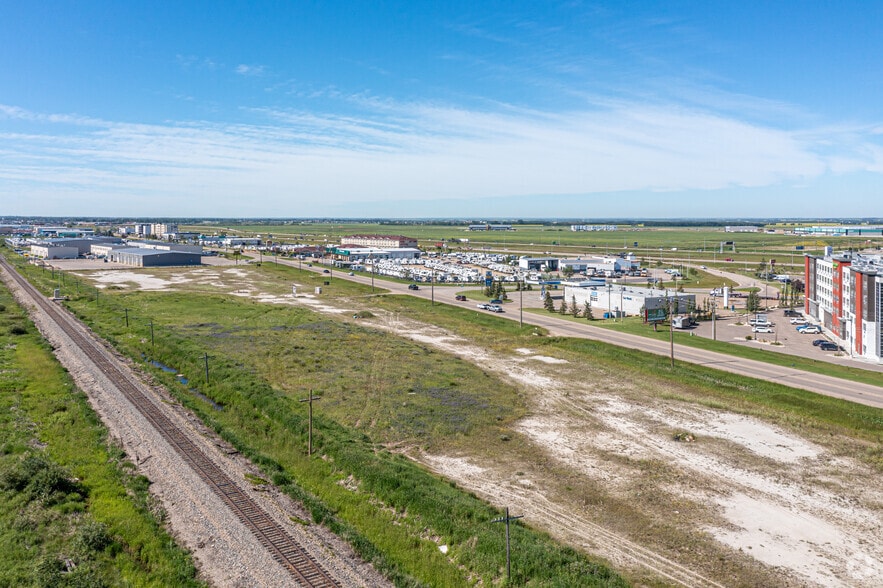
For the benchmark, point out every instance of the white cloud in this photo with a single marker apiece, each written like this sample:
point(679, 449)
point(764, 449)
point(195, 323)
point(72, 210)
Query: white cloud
point(250, 70)
point(299, 162)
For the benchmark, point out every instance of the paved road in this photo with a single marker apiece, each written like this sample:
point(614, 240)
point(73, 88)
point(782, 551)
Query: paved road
point(821, 384)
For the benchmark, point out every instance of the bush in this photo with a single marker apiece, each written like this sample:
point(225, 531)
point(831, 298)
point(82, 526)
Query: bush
point(94, 536)
point(18, 330)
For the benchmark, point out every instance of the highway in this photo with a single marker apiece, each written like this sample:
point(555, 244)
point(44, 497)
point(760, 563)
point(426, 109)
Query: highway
point(830, 386)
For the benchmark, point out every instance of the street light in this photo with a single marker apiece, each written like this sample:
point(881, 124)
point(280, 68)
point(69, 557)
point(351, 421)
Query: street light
point(609, 312)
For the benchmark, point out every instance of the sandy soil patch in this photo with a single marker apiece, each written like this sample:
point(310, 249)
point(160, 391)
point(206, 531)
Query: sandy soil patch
point(141, 281)
point(764, 494)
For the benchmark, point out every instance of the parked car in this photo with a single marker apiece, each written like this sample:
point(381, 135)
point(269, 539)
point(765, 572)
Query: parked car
point(762, 329)
point(811, 330)
point(818, 342)
point(829, 346)
point(798, 321)
point(413, 287)
point(790, 312)
point(460, 297)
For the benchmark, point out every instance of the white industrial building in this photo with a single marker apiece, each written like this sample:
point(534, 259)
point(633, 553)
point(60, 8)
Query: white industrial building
point(621, 299)
point(538, 264)
point(47, 251)
point(354, 254)
point(602, 265)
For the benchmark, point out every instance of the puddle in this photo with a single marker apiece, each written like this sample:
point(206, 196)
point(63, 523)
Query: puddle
point(185, 381)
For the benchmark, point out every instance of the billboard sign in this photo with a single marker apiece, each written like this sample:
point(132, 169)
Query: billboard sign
point(654, 315)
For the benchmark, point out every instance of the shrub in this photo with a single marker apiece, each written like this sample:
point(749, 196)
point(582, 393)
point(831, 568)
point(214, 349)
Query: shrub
point(17, 330)
point(94, 536)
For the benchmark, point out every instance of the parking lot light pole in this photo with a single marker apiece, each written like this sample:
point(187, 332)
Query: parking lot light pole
point(521, 305)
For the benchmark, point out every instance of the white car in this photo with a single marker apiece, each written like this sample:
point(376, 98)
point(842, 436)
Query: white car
point(812, 330)
point(798, 321)
point(762, 329)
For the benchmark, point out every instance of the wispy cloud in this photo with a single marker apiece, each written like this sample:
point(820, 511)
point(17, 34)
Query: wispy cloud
point(300, 161)
point(250, 70)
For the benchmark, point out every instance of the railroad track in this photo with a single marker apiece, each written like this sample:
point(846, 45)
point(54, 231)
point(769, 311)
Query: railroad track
point(283, 547)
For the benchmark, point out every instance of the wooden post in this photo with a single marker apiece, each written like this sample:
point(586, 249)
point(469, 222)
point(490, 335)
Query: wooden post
point(506, 520)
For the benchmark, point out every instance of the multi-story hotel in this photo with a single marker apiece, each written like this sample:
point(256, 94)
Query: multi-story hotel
point(844, 293)
point(381, 241)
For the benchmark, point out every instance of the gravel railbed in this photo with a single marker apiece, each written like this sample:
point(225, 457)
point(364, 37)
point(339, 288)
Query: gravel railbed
point(225, 551)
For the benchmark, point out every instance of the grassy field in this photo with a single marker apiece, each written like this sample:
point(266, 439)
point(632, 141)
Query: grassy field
point(665, 243)
point(378, 392)
point(636, 326)
point(72, 512)
point(382, 395)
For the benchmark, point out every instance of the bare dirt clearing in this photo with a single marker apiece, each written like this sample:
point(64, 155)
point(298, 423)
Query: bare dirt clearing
point(736, 502)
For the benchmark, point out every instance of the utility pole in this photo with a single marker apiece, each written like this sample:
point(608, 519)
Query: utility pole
point(151, 334)
point(506, 520)
point(205, 357)
point(432, 287)
point(127, 317)
point(310, 433)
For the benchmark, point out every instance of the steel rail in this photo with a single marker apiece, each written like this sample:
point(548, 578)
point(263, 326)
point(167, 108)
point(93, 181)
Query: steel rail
point(282, 546)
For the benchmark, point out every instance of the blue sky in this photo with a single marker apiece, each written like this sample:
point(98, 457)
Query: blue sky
point(431, 109)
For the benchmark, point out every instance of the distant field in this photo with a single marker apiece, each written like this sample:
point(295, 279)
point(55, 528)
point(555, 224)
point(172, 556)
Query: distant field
point(701, 243)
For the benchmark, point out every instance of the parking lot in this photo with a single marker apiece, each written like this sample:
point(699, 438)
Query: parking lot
point(734, 328)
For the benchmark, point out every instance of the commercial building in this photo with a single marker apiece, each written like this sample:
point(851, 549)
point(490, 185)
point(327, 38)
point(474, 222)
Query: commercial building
point(380, 241)
point(608, 265)
point(620, 299)
point(361, 254)
point(82, 246)
point(593, 227)
point(47, 251)
point(844, 293)
point(841, 230)
point(142, 257)
point(487, 227)
point(538, 264)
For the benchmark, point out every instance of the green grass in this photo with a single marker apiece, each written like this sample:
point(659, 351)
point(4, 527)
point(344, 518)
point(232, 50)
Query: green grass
point(655, 242)
point(65, 492)
point(634, 326)
point(378, 391)
point(380, 394)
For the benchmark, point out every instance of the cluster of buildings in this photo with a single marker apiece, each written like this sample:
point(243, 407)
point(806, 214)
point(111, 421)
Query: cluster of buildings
point(624, 299)
point(580, 228)
point(844, 293)
point(132, 253)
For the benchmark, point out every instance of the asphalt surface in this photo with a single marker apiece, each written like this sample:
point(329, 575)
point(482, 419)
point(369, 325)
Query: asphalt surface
point(830, 386)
